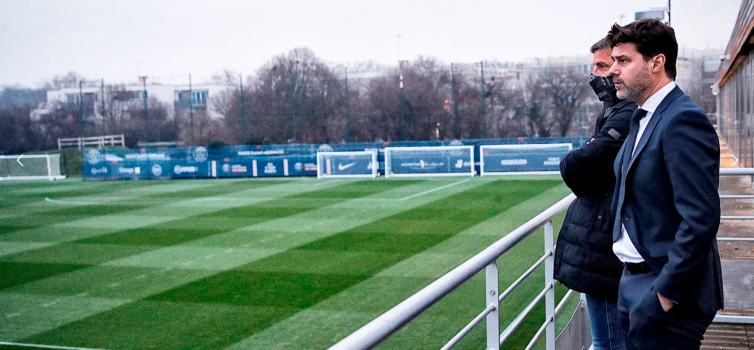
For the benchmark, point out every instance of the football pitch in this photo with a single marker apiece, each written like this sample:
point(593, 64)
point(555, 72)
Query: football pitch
point(257, 263)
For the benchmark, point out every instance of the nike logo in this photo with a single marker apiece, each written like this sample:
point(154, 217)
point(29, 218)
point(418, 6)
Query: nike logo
point(342, 167)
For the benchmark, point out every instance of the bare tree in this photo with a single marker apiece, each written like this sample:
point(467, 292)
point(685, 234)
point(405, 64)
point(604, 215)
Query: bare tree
point(71, 79)
point(226, 77)
point(537, 107)
point(566, 89)
point(295, 97)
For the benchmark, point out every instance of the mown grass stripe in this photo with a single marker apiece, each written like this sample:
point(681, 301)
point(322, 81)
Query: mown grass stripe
point(262, 283)
point(184, 230)
point(215, 324)
point(195, 227)
point(310, 282)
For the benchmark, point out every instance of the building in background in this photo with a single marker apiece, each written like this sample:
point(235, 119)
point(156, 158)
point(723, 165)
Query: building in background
point(174, 97)
point(696, 72)
point(734, 88)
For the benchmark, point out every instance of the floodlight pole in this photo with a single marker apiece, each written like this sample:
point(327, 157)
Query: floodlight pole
point(484, 102)
point(293, 99)
point(81, 108)
point(243, 112)
point(403, 102)
point(348, 114)
point(146, 113)
point(102, 97)
point(191, 110)
point(455, 101)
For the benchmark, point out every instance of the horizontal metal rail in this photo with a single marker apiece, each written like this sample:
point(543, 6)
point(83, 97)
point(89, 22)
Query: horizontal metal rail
point(101, 141)
point(469, 327)
point(736, 171)
point(736, 217)
point(735, 239)
point(736, 196)
point(563, 301)
point(526, 274)
point(520, 318)
point(734, 319)
point(383, 326)
point(539, 333)
point(394, 319)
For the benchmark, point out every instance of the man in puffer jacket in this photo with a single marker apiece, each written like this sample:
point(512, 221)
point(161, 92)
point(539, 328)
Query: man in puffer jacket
point(584, 258)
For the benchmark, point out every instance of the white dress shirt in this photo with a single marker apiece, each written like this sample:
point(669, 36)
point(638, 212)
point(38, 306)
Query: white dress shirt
point(624, 249)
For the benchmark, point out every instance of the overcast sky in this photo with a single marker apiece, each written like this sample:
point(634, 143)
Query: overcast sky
point(116, 40)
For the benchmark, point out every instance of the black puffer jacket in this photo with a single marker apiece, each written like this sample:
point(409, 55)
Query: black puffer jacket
point(584, 259)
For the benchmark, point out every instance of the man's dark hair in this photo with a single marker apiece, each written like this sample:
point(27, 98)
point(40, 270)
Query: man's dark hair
point(651, 38)
point(602, 44)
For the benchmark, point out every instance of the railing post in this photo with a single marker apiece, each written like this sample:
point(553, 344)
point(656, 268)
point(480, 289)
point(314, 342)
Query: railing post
point(550, 281)
point(493, 319)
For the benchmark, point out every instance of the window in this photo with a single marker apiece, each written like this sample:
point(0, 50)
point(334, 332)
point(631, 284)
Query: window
point(199, 98)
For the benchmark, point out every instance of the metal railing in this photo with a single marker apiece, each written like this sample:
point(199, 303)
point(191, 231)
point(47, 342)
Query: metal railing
point(383, 326)
point(99, 141)
point(735, 172)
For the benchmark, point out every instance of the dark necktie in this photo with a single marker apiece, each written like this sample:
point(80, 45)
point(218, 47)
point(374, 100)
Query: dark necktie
point(627, 152)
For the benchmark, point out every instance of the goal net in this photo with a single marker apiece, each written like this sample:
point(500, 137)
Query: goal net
point(31, 167)
point(347, 164)
point(429, 161)
point(522, 159)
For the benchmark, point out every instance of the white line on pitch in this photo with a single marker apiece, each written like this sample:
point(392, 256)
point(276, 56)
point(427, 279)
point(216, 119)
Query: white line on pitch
point(434, 190)
point(39, 346)
point(51, 303)
point(56, 201)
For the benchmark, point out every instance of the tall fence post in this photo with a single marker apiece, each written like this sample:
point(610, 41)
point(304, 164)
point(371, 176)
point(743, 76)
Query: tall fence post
point(493, 319)
point(550, 281)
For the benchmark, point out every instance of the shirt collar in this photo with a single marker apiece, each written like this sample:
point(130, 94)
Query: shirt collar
point(651, 104)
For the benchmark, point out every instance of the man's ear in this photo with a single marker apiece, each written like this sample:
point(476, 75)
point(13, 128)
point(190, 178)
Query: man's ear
point(658, 63)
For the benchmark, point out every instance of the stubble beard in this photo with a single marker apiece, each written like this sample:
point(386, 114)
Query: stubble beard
point(638, 88)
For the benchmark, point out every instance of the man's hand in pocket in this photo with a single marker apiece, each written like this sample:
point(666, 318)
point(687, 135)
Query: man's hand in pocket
point(666, 303)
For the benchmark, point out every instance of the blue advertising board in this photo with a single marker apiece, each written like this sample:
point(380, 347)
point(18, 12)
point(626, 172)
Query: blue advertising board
point(284, 160)
point(342, 165)
point(522, 162)
point(430, 164)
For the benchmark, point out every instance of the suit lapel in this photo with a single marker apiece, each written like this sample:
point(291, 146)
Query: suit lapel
point(656, 116)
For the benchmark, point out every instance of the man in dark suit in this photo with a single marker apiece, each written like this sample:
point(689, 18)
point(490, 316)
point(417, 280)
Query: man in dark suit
point(584, 259)
point(666, 202)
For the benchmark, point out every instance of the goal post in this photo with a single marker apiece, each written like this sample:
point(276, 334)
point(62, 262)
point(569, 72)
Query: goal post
point(356, 164)
point(429, 161)
point(527, 159)
point(31, 167)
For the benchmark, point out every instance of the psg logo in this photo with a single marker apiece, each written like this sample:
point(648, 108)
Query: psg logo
point(93, 156)
point(200, 154)
point(156, 170)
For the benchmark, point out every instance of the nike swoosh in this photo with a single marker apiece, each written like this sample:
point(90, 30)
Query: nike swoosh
point(342, 167)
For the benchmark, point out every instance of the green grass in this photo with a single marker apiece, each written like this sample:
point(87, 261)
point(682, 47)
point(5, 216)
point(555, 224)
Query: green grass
point(256, 264)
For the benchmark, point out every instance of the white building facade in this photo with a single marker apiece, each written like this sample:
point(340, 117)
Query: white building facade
point(172, 96)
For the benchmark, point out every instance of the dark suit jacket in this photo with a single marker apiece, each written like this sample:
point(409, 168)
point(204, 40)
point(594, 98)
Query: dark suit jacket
point(671, 209)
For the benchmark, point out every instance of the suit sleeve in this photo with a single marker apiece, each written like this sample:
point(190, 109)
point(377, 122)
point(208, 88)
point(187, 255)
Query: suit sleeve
point(589, 168)
point(691, 153)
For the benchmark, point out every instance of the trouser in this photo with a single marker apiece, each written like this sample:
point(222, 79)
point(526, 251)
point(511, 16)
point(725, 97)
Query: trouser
point(647, 326)
point(604, 319)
